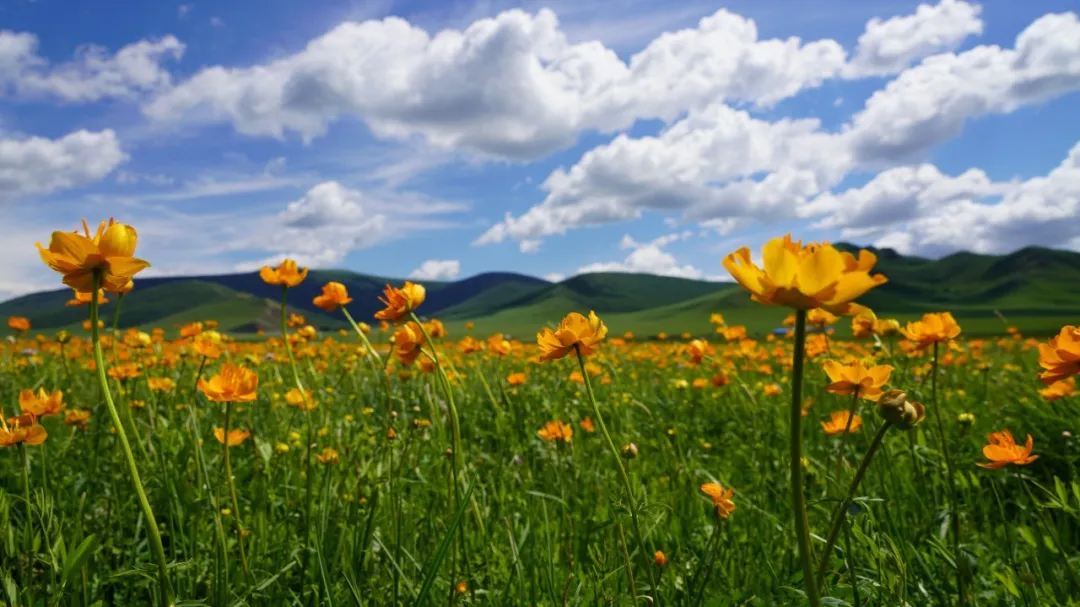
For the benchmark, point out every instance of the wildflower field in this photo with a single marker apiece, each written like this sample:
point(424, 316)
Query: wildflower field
point(396, 464)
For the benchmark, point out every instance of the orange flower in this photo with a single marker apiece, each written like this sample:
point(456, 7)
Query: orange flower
point(499, 345)
point(1059, 389)
point(233, 384)
point(515, 379)
point(207, 344)
point(698, 350)
point(191, 330)
point(574, 332)
point(820, 318)
point(108, 252)
point(721, 498)
point(1003, 451)
point(18, 323)
point(587, 424)
point(804, 278)
point(76, 417)
point(838, 423)
point(236, 436)
point(660, 558)
point(773, 390)
point(886, 326)
point(847, 378)
point(933, 328)
point(732, 333)
point(305, 401)
point(556, 431)
point(407, 339)
point(286, 274)
point(328, 457)
point(42, 403)
point(21, 429)
point(334, 295)
point(160, 384)
point(862, 324)
point(400, 302)
point(1061, 356)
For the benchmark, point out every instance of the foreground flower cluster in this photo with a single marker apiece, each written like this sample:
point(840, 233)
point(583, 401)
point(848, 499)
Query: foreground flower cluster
point(400, 463)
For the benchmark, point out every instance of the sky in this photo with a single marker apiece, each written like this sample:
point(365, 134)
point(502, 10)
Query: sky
point(439, 139)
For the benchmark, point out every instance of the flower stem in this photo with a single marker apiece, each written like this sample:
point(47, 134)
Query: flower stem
point(151, 522)
point(622, 476)
point(954, 495)
point(307, 417)
point(798, 497)
point(841, 508)
point(232, 494)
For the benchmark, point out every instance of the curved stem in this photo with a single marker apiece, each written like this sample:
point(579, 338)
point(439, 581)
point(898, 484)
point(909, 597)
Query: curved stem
point(133, 470)
point(625, 478)
point(798, 497)
point(841, 508)
point(232, 494)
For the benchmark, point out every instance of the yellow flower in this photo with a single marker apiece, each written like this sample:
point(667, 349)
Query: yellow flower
point(108, 252)
point(839, 422)
point(932, 328)
point(329, 456)
point(236, 436)
point(160, 384)
point(233, 384)
point(297, 399)
point(1061, 356)
point(575, 331)
point(334, 295)
point(556, 431)
point(400, 302)
point(847, 378)
point(804, 278)
point(286, 274)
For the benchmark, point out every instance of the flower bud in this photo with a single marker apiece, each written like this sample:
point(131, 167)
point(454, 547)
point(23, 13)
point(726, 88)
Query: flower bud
point(629, 451)
point(63, 336)
point(965, 419)
point(895, 408)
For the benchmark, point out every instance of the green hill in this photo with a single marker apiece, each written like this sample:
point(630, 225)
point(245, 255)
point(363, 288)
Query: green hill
point(1036, 289)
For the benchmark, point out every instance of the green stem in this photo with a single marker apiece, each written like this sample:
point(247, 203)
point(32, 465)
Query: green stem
point(133, 470)
point(841, 508)
point(622, 476)
point(798, 497)
point(954, 494)
point(232, 493)
point(307, 417)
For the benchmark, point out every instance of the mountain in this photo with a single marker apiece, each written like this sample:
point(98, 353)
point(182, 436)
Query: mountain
point(1036, 289)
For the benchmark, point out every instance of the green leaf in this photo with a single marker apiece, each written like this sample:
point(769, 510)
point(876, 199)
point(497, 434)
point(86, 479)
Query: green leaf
point(1059, 487)
point(74, 561)
point(444, 547)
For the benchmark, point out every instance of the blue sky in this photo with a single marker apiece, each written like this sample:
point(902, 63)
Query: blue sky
point(549, 138)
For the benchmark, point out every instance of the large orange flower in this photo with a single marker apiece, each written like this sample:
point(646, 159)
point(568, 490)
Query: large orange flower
point(233, 384)
point(847, 378)
point(18, 323)
point(1003, 451)
point(804, 277)
point(108, 252)
point(42, 403)
point(21, 429)
point(932, 328)
point(721, 498)
point(1061, 356)
point(286, 274)
point(334, 295)
point(401, 302)
point(574, 331)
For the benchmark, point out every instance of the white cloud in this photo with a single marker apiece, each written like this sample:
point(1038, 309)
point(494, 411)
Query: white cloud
point(649, 258)
point(93, 75)
point(437, 269)
point(511, 86)
point(888, 46)
point(554, 277)
point(132, 178)
point(37, 165)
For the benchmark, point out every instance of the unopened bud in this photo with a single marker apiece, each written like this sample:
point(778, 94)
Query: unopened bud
point(895, 408)
point(629, 451)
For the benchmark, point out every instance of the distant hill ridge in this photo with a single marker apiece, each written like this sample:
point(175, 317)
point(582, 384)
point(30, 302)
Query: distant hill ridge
point(1031, 282)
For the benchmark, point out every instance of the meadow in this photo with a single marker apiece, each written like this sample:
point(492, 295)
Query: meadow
point(401, 461)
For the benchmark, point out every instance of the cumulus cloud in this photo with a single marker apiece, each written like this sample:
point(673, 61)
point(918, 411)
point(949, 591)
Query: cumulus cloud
point(650, 258)
point(510, 87)
point(888, 46)
point(94, 74)
point(36, 165)
point(437, 269)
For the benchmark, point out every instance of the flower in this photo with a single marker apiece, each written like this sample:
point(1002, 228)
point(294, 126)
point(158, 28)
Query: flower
point(42, 403)
point(515, 379)
point(820, 318)
point(21, 429)
point(407, 339)
point(1059, 389)
point(233, 384)
point(1060, 357)
point(839, 423)
point(334, 295)
point(76, 417)
point(108, 253)
point(574, 332)
point(18, 323)
point(236, 436)
point(698, 350)
point(773, 390)
point(804, 278)
point(855, 377)
point(587, 424)
point(660, 559)
point(862, 324)
point(716, 319)
point(932, 328)
point(721, 498)
point(400, 303)
point(191, 330)
point(207, 344)
point(1003, 451)
point(160, 384)
point(286, 274)
point(328, 457)
point(556, 431)
point(894, 407)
